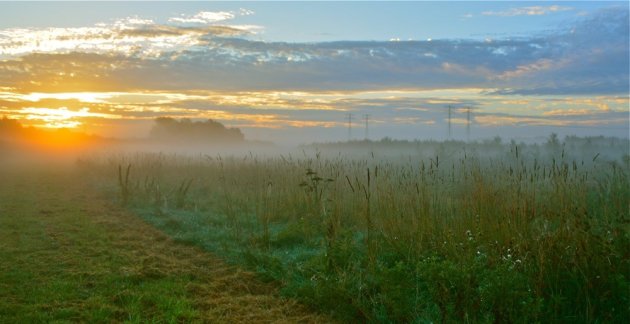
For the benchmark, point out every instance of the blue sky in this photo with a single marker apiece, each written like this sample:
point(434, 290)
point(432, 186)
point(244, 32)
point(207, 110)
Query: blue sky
point(325, 21)
point(292, 72)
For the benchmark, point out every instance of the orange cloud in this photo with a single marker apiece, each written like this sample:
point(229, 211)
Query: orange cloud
point(529, 69)
point(568, 112)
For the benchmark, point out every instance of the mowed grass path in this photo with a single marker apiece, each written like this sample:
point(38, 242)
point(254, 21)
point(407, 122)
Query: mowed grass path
point(68, 255)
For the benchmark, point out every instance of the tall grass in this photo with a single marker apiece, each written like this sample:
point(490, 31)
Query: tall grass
point(516, 236)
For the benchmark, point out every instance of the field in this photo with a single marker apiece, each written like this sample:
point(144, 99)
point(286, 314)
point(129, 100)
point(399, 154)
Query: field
point(68, 255)
point(404, 232)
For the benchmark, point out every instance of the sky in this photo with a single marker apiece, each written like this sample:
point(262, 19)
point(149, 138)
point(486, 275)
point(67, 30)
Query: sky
point(296, 73)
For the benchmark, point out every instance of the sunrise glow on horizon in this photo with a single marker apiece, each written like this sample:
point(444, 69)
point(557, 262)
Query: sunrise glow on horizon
point(292, 73)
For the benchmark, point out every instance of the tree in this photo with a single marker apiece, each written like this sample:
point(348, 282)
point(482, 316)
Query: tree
point(209, 131)
point(10, 127)
point(553, 140)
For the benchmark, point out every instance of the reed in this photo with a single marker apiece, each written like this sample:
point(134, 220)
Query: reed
point(123, 183)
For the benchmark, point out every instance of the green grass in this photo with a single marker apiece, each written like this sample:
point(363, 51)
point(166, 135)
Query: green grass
point(58, 265)
point(513, 234)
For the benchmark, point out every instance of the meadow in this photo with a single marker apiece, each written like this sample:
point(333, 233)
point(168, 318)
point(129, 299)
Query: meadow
point(404, 231)
point(69, 255)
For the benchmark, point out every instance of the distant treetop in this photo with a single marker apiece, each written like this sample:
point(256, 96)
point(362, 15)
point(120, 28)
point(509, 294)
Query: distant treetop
point(209, 131)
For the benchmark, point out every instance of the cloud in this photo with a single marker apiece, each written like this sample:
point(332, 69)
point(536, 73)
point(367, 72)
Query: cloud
point(403, 111)
point(204, 17)
point(210, 17)
point(57, 117)
point(139, 40)
point(589, 56)
point(524, 70)
point(129, 22)
point(528, 11)
point(245, 12)
point(412, 120)
point(132, 36)
point(568, 112)
point(162, 31)
point(574, 120)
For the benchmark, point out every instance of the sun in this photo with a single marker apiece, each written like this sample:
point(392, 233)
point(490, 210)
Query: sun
point(54, 118)
point(57, 128)
point(60, 117)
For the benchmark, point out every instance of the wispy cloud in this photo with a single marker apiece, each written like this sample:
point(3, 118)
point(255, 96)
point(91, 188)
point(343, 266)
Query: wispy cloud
point(494, 120)
point(210, 17)
point(145, 40)
point(528, 11)
point(204, 17)
point(130, 36)
point(532, 68)
point(59, 117)
point(568, 112)
point(245, 12)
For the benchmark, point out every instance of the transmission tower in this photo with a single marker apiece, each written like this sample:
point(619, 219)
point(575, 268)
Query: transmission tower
point(468, 123)
point(367, 119)
point(450, 133)
point(349, 117)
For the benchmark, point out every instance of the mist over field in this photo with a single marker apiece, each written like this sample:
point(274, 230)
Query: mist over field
point(318, 162)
